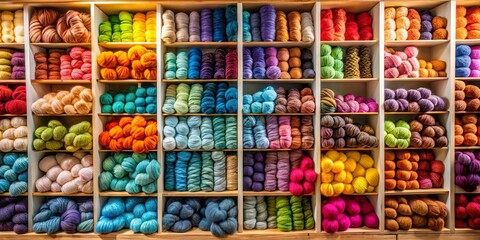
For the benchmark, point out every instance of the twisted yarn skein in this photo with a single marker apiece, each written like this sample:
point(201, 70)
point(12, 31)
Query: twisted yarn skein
point(13, 177)
point(14, 134)
point(14, 214)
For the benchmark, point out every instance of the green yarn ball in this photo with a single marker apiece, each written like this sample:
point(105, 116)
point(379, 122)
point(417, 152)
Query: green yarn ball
point(38, 144)
point(401, 133)
point(59, 132)
point(38, 132)
point(403, 124)
point(337, 53)
point(107, 109)
point(119, 98)
point(47, 134)
point(338, 75)
point(403, 143)
point(389, 126)
point(327, 61)
point(338, 65)
point(325, 50)
point(106, 98)
point(390, 140)
point(327, 72)
point(54, 123)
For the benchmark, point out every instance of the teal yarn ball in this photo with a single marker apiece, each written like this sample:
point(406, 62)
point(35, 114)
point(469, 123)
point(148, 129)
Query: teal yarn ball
point(130, 107)
point(151, 100)
point(13, 173)
point(106, 99)
point(120, 97)
point(130, 97)
point(206, 133)
point(107, 109)
point(17, 188)
point(141, 92)
point(10, 175)
point(152, 91)
point(151, 108)
point(194, 173)
point(207, 177)
point(170, 65)
point(4, 185)
point(140, 102)
point(118, 107)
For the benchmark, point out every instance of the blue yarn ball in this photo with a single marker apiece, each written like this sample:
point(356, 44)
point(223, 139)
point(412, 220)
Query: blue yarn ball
point(462, 61)
point(140, 109)
point(462, 50)
point(113, 208)
point(107, 109)
point(118, 107)
point(256, 107)
point(130, 97)
point(141, 92)
point(268, 107)
point(140, 101)
point(462, 72)
point(106, 98)
point(151, 108)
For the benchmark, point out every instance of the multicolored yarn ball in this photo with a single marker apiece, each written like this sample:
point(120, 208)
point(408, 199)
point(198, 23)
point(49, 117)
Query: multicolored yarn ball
point(13, 101)
point(467, 211)
point(14, 134)
point(341, 132)
point(14, 176)
point(77, 100)
point(467, 167)
point(14, 214)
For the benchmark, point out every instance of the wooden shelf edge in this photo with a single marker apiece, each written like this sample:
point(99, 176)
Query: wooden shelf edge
point(416, 192)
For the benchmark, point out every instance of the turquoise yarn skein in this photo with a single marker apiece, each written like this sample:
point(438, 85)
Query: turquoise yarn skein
point(207, 179)
point(170, 65)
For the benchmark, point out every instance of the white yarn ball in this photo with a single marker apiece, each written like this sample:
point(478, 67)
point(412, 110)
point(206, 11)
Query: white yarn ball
point(5, 124)
point(20, 144)
point(19, 121)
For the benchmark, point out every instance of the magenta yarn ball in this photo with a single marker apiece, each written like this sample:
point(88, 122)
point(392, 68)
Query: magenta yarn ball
point(411, 51)
point(296, 175)
point(461, 212)
point(356, 221)
point(306, 163)
point(363, 107)
point(330, 211)
point(271, 61)
point(360, 99)
point(473, 209)
point(352, 207)
point(295, 188)
point(365, 206)
point(330, 226)
point(343, 222)
point(338, 202)
point(308, 187)
point(474, 73)
point(371, 220)
point(475, 64)
point(349, 97)
point(310, 175)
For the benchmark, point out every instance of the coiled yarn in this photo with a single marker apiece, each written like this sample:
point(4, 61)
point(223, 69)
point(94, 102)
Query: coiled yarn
point(12, 29)
point(466, 211)
point(13, 101)
point(340, 132)
point(413, 100)
point(12, 65)
point(138, 63)
point(232, 24)
point(13, 175)
point(14, 216)
point(14, 133)
point(341, 213)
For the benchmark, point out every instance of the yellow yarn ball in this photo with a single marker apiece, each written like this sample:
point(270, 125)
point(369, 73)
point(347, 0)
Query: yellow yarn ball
point(372, 177)
point(338, 167)
point(370, 189)
point(338, 187)
point(350, 165)
point(326, 164)
point(355, 155)
point(334, 155)
point(390, 35)
point(360, 185)
point(401, 34)
point(327, 177)
point(327, 189)
point(348, 189)
point(348, 178)
point(389, 13)
point(341, 176)
point(359, 171)
point(366, 161)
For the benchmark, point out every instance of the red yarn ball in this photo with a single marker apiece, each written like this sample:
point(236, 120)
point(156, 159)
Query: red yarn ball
point(437, 179)
point(356, 221)
point(424, 166)
point(5, 93)
point(366, 33)
point(308, 187)
point(295, 188)
point(474, 223)
point(461, 200)
point(326, 14)
point(423, 174)
point(437, 166)
point(16, 107)
point(330, 226)
point(351, 31)
point(473, 209)
point(364, 19)
point(461, 212)
point(343, 222)
point(371, 220)
point(330, 211)
point(460, 223)
point(310, 175)
point(476, 199)
point(296, 175)
point(352, 206)
point(20, 93)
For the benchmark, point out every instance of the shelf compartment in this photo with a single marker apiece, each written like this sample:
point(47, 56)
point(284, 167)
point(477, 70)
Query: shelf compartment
point(350, 149)
point(126, 45)
point(275, 150)
point(272, 193)
point(201, 114)
point(230, 193)
point(270, 81)
point(349, 80)
point(62, 81)
point(200, 44)
point(278, 44)
point(197, 80)
point(128, 81)
point(416, 192)
point(416, 113)
point(350, 43)
point(417, 43)
point(126, 194)
point(61, 194)
point(467, 41)
point(62, 115)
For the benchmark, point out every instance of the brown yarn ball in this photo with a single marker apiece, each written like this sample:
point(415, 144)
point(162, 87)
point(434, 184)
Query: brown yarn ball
point(428, 132)
point(439, 131)
point(443, 209)
point(459, 95)
point(401, 184)
point(472, 104)
point(415, 126)
point(434, 209)
point(413, 107)
point(459, 85)
point(441, 141)
point(428, 142)
point(458, 120)
point(426, 119)
point(436, 224)
point(352, 130)
point(413, 175)
point(404, 209)
point(390, 165)
point(368, 129)
point(460, 105)
point(419, 207)
point(472, 91)
point(391, 202)
point(392, 225)
point(469, 128)
point(416, 139)
point(404, 222)
point(419, 221)
point(458, 129)
point(390, 213)
point(390, 184)
point(469, 118)
point(295, 52)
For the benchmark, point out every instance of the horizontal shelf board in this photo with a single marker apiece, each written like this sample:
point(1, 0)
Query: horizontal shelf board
point(61, 194)
point(124, 150)
point(279, 114)
point(278, 44)
point(349, 80)
point(62, 115)
point(362, 194)
point(127, 81)
point(275, 150)
point(433, 79)
point(468, 78)
point(7, 194)
point(201, 150)
point(350, 149)
point(416, 191)
point(200, 44)
point(62, 81)
point(12, 81)
point(362, 230)
point(466, 230)
point(200, 114)
point(126, 45)
point(415, 148)
point(275, 231)
point(467, 147)
point(351, 113)
point(349, 43)
point(272, 193)
point(61, 45)
point(465, 112)
point(126, 114)
point(17, 151)
point(13, 115)
point(459, 190)
point(417, 43)
point(415, 113)
point(13, 45)
point(126, 194)
point(419, 230)
point(61, 151)
point(200, 194)
point(467, 41)
point(270, 81)
point(197, 80)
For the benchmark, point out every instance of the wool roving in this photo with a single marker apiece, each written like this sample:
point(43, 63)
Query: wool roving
point(292, 213)
point(341, 213)
point(294, 26)
point(6, 64)
point(13, 177)
point(206, 25)
point(14, 134)
point(12, 27)
point(64, 214)
point(466, 211)
point(168, 27)
point(466, 170)
point(327, 30)
point(14, 214)
point(219, 25)
point(308, 32)
point(182, 65)
point(13, 102)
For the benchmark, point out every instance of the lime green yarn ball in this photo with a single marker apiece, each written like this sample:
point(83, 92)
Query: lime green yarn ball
point(38, 132)
point(325, 50)
point(338, 75)
point(82, 140)
point(403, 143)
point(390, 140)
point(327, 61)
point(47, 134)
point(38, 144)
point(68, 139)
point(403, 124)
point(59, 133)
point(401, 133)
point(327, 72)
point(389, 126)
point(54, 123)
point(80, 128)
point(338, 65)
point(337, 53)
point(53, 145)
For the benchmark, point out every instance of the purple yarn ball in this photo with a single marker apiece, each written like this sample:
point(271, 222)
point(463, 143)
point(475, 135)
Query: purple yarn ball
point(20, 228)
point(258, 176)
point(267, 22)
point(425, 92)
point(401, 93)
point(342, 106)
point(70, 220)
point(247, 64)
point(248, 170)
point(258, 167)
point(413, 107)
point(326, 132)
point(402, 105)
point(354, 106)
point(425, 183)
point(413, 95)
point(206, 23)
point(474, 166)
point(389, 93)
point(257, 186)
point(440, 105)
point(273, 72)
point(391, 105)
point(460, 169)
point(247, 183)
point(425, 105)
point(426, 16)
point(426, 36)
point(328, 142)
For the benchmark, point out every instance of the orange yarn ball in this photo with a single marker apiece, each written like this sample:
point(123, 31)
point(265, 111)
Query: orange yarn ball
point(139, 121)
point(460, 22)
point(107, 59)
point(122, 58)
point(150, 73)
point(136, 52)
point(122, 72)
point(137, 74)
point(149, 60)
point(108, 73)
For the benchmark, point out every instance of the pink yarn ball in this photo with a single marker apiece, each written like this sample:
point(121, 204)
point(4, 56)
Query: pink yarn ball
point(473, 209)
point(475, 64)
point(306, 163)
point(330, 211)
point(372, 106)
point(391, 73)
point(87, 56)
point(64, 58)
point(414, 62)
point(76, 63)
point(86, 68)
point(392, 61)
point(86, 174)
point(474, 73)
point(411, 51)
point(330, 226)
point(352, 206)
point(403, 76)
point(360, 99)
point(425, 183)
point(405, 68)
point(349, 97)
point(414, 74)
point(365, 206)
point(343, 222)
point(363, 107)
point(356, 221)
point(461, 212)
point(295, 188)
point(402, 55)
point(87, 76)
point(76, 52)
point(371, 220)
point(338, 202)
point(308, 187)
point(476, 199)
point(77, 74)
point(296, 175)
point(310, 175)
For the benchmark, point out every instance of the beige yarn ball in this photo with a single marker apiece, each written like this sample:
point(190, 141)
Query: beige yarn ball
point(37, 106)
point(75, 169)
point(5, 124)
point(21, 132)
point(18, 121)
point(86, 95)
point(64, 177)
point(43, 184)
point(70, 109)
point(6, 145)
point(56, 187)
point(61, 94)
point(47, 162)
point(53, 173)
point(76, 90)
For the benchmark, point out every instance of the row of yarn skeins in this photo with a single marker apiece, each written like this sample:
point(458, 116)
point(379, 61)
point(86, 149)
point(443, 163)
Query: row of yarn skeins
point(138, 63)
point(195, 132)
point(424, 131)
point(402, 23)
point(193, 64)
point(341, 132)
point(208, 25)
point(66, 173)
point(466, 130)
point(356, 63)
point(12, 64)
point(200, 171)
point(133, 173)
point(55, 136)
point(331, 103)
point(14, 214)
point(467, 22)
point(339, 25)
point(125, 133)
point(344, 212)
point(270, 25)
point(131, 100)
point(138, 214)
point(13, 101)
point(13, 134)
point(77, 100)
point(278, 132)
point(467, 170)
point(197, 98)
point(412, 170)
point(13, 173)
point(50, 26)
point(270, 100)
point(284, 171)
point(347, 173)
point(283, 213)
point(467, 61)
point(128, 27)
point(405, 64)
point(270, 63)
point(74, 63)
point(412, 100)
point(12, 27)
point(70, 215)
point(467, 211)
point(403, 213)
point(467, 96)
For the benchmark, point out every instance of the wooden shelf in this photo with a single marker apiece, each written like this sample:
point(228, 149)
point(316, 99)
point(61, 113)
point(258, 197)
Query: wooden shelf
point(61, 194)
point(7, 194)
point(197, 80)
point(62, 115)
point(201, 114)
point(126, 114)
point(467, 147)
point(272, 193)
point(128, 81)
point(467, 230)
point(416, 79)
point(274, 150)
point(351, 113)
point(271, 81)
point(52, 82)
point(467, 41)
point(416, 192)
point(126, 194)
point(61, 151)
point(201, 150)
point(419, 230)
point(278, 44)
point(459, 190)
point(415, 148)
point(13, 45)
point(123, 150)
point(468, 78)
point(12, 81)
point(362, 194)
point(279, 114)
point(200, 194)
point(61, 45)
point(350, 43)
point(126, 45)
point(17, 151)
point(349, 80)
point(350, 149)
point(465, 112)
point(13, 115)
point(416, 113)
point(277, 232)
point(416, 43)
point(361, 230)
point(200, 44)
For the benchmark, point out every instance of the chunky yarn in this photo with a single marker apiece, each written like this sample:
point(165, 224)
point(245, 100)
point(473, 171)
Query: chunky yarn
point(267, 23)
point(14, 134)
point(14, 214)
point(341, 213)
point(13, 177)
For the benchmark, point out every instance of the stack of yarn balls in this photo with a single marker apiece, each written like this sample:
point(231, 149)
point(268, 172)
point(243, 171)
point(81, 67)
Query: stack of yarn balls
point(74, 63)
point(132, 100)
point(339, 25)
point(138, 214)
point(12, 27)
point(13, 100)
point(402, 23)
point(341, 132)
point(12, 64)
point(50, 26)
point(342, 213)
point(133, 173)
point(55, 136)
point(135, 133)
point(137, 63)
point(404, 213)
point(412, 170)
point(302, 178)
point(127, 27)
point(66, 173)
point(282, 213)
point(15, 214)
point(13, 173)
point(356, 63)
point(268, 24)
point(70, 215)
point(207, 25)
point(278, 132)
point(222, 63)
point(13, 134)
point(467, 97)
point(467, 170)
point(197, 132)
point(347, 103)
point(218, 215)
point(77, 100)
point(269, 100)
point(200, 98)
point(404, 64)
point(348, 173)
point(467, 214)
point(412, 100)
point(467, 61)
point(467, 22)
point(206, 171)
point(466, 130)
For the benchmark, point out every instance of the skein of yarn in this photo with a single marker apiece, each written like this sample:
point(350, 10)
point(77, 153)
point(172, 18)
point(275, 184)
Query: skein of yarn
point(14, 176)
point(14, 214)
